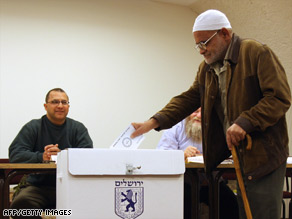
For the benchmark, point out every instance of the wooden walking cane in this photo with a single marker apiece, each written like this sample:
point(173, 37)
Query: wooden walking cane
point(240, 179)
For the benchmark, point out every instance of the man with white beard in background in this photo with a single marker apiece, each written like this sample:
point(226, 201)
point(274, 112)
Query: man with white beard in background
point(186, 136)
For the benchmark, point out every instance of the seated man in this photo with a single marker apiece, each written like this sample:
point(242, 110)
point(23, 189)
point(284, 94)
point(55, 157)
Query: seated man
point(187, 136)
point(37, 141)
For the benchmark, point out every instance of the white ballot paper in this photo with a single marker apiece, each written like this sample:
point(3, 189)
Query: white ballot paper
point(124, 141)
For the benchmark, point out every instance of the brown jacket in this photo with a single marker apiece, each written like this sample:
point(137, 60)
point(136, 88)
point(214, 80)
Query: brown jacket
point(258, 96)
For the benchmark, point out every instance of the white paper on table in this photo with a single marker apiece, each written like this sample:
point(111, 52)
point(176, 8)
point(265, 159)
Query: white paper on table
point(53, 158)
point(289, 160)
point(200, 159)
point(196, 159)
point(124, 141)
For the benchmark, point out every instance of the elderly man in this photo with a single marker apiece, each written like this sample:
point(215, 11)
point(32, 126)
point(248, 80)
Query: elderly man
point(243, 89)
point(187, 136)
point(37, 141)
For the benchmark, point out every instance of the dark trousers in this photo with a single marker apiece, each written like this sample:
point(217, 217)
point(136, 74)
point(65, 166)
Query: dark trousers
point(264, 195)
point(35, 197)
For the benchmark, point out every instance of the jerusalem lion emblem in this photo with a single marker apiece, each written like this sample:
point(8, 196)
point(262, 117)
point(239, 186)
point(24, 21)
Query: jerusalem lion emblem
point(129, 202)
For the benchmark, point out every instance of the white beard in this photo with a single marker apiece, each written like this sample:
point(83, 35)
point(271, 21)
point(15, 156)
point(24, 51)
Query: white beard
point(194, 130)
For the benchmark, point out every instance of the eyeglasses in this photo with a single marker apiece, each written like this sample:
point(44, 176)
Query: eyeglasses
point(203, 45)
point(57, 102)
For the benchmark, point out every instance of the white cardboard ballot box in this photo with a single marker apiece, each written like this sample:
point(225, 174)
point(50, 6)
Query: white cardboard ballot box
point(112, 183)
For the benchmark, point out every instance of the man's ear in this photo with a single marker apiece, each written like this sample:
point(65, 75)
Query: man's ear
point(45, 106)
point(225, 33)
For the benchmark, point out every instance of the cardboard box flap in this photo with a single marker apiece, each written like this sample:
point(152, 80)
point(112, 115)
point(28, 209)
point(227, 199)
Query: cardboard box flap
point(125, 162)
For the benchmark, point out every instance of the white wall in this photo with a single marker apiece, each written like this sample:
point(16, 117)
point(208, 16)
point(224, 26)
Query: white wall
point(119, 62)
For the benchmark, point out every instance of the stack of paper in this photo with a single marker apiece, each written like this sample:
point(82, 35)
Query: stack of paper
point(199, 159)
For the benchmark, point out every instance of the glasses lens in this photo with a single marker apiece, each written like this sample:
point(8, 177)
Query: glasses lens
point(55, 102)
point(64, 102)
point(197, 48)
point(200, 46)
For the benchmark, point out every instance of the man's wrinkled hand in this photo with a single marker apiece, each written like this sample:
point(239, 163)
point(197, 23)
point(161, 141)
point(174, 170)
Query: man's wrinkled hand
point(234, 135)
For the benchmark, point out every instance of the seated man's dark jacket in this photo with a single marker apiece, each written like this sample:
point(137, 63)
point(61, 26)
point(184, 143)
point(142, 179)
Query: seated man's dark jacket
point(28, 146)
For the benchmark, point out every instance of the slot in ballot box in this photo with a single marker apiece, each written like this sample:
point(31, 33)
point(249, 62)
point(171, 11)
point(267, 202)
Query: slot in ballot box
point(112, 183)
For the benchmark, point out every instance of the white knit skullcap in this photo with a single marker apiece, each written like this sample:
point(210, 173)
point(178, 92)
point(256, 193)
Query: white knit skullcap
point(211, 20)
